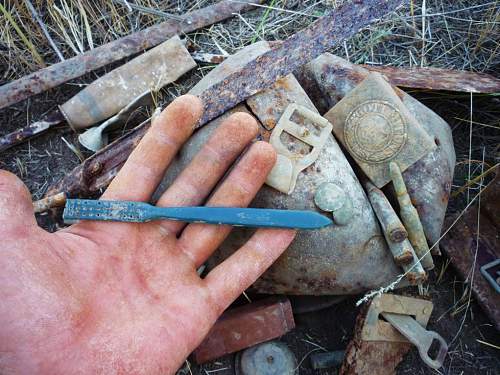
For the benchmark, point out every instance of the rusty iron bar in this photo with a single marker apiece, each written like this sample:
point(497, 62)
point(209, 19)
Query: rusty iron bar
point(438, 79)
point(99, 170)
point(116, 50)
point(301, 47)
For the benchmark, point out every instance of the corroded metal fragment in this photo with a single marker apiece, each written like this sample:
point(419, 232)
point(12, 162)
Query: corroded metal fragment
point(373, 124)
point(438, 79)
point(465, 238)
point(115, 90)
point(245, 326)
point(410, 218)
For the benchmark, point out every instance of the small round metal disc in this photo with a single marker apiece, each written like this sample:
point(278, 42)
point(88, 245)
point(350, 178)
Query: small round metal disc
point(329, 197)
point(269, 358)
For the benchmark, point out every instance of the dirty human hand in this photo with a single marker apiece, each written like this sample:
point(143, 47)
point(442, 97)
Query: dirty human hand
point(108, 298)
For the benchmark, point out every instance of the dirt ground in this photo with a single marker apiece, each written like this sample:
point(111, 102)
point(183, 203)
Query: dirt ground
point(46, 159)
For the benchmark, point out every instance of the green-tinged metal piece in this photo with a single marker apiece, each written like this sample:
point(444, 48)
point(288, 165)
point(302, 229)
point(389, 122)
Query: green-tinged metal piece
point(402, 250)
point(410, 218)
point(138, 212)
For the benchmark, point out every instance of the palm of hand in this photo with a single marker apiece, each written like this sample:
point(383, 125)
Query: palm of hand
point(126, 298)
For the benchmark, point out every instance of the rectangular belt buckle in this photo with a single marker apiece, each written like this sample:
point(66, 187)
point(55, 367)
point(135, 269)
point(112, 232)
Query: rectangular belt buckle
point(312, 130)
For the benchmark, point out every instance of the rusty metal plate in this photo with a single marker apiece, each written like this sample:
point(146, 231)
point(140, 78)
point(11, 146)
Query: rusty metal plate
point(245, 326)
point(374, 125)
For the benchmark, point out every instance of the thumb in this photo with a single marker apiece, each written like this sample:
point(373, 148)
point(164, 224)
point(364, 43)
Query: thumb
point(16, 208)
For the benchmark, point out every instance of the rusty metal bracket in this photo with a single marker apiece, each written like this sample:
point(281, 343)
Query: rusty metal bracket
point(289, 163)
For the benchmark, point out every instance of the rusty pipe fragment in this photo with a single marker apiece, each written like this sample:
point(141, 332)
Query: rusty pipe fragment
point(410, 217)
point(112, 92)
point(402, 251)
point(255, 76)
point(429, 78)
point(116, 50)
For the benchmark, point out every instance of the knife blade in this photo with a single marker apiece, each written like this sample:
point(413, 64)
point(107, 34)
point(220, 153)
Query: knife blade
point(139, 212)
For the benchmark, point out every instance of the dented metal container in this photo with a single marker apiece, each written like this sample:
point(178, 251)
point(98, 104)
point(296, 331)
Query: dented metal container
point(332, 260)
point(328, 78)
point(351, 256)
point(99, 101)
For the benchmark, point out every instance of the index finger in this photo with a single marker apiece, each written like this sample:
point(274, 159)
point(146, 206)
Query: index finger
point(143, 170)
point(230, 278)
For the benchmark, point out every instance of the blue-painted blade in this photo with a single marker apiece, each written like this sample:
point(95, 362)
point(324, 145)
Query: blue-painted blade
point(84, 209)
point(247, 217)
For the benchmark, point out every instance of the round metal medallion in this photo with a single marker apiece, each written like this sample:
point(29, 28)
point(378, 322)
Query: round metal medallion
point(375, 131)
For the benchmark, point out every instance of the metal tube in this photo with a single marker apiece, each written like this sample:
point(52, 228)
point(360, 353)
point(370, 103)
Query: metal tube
point(402, 251)
point(410, 217)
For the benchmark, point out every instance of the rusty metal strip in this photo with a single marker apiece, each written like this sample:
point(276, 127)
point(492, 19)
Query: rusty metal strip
point(98, 171)
point(301, 47)
point(77, 66)
point(439, 79)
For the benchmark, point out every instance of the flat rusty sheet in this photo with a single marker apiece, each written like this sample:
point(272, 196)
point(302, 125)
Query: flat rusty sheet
point(461, 242)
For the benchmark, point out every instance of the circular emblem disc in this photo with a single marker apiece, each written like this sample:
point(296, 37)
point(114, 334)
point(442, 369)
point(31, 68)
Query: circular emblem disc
point(375, 131)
